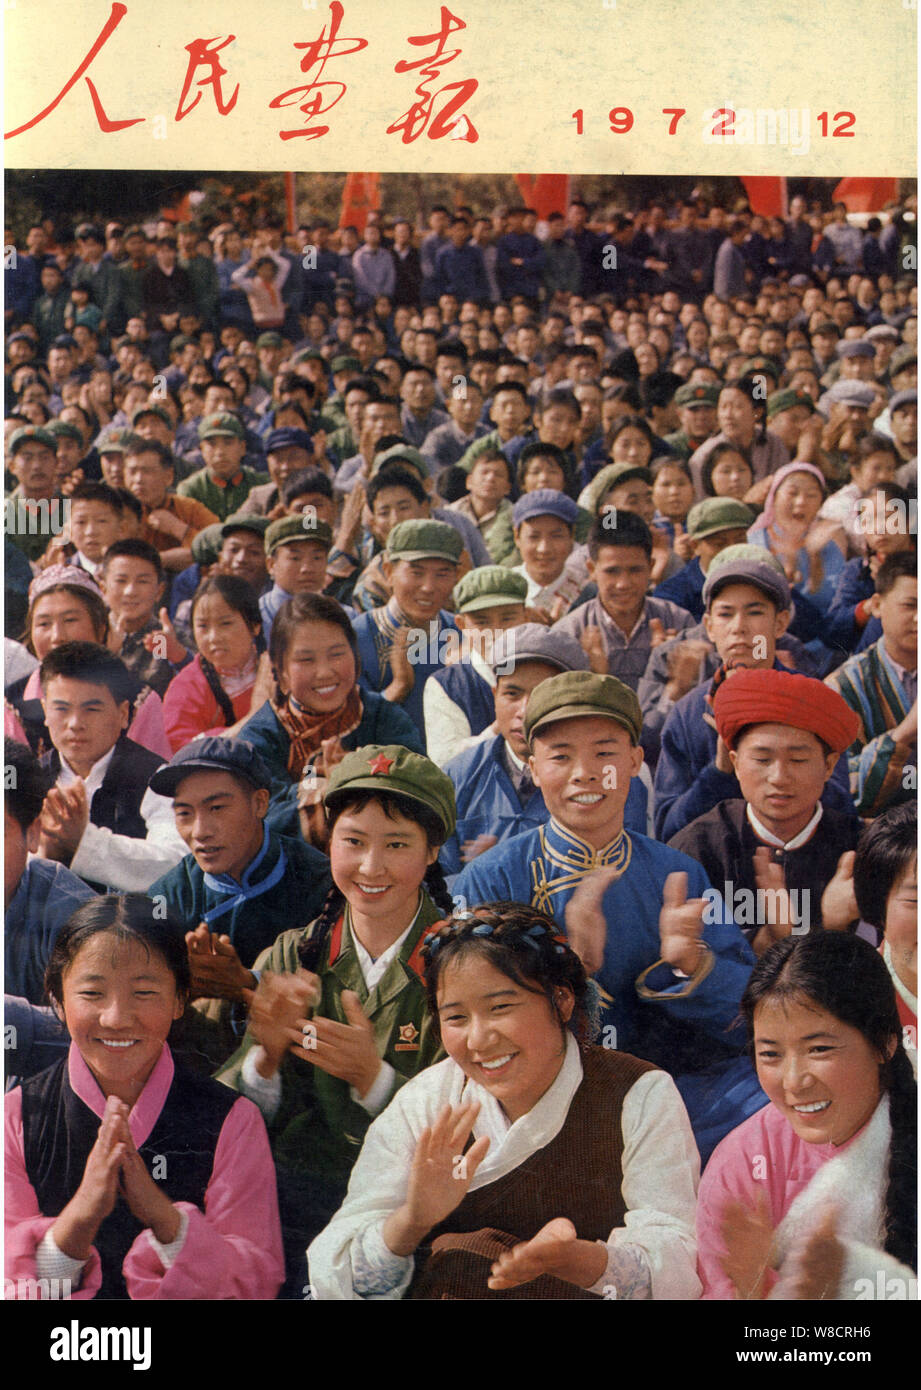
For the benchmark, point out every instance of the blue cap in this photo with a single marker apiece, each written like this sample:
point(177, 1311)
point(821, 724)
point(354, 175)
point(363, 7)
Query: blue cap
point(546, 501)
point(289, 438)
point(211, 755)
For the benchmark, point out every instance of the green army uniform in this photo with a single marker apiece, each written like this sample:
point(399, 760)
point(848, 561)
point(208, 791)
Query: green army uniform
point(222, 499)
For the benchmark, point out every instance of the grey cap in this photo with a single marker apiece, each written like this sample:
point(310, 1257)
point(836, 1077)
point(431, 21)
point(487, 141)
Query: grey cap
point(858, 393)
point(534, 642)
point(748, 564)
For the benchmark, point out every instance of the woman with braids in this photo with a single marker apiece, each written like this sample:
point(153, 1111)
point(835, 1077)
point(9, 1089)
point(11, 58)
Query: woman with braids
point(578, 1170)
point(815, 1195)
point(317, 713)
point(338, 1021)
point(216, 689)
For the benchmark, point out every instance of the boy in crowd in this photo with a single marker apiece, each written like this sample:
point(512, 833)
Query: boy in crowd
point(170, 522)
point(447, 444)
point(296, 549)
point(509, 411)
point(99, 818)
point(32, 460)
point(545, 524)
point(881, 686)
point(287, 451)
point(784, 733)
point(403, 643)
point(882, 520)
point(711, 526)
point(132, 582)
point(458, 700)
point(632, 908)
point(747, 602)
point(224, 483)
point(489, 483)
point(96, 517)
point(622, 621)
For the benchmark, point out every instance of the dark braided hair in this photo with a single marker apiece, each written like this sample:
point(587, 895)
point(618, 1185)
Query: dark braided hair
point(238, 595)
point(847, 978)
point(393, 804)
point(522, 944)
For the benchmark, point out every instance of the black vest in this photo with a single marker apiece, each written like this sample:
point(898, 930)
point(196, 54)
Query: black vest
point(116, 805)
point(59, 1130)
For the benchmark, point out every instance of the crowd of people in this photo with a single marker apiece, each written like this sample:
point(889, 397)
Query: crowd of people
point(460, 762)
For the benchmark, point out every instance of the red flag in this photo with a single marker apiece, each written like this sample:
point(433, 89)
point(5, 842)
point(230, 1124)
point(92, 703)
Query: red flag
point(361, 195)
point(866, 195)
point(767, 196)
point(545, 193)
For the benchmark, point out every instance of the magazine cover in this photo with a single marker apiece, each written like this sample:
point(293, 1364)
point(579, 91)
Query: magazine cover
point(460, 665)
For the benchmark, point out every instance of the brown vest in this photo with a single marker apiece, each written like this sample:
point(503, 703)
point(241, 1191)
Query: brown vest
point(578, 1175)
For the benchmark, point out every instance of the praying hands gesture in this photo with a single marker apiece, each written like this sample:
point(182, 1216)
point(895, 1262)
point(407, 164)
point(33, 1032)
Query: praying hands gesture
point(748, 1235)
point(403, 677)
point(771, 882)
point(114, 1168)
point(439, 1179)
point(65, 816)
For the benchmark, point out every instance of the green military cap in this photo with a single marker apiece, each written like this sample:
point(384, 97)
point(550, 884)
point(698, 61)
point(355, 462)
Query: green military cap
point(715, 514)
point(425, 540)
point(579, 695)
point(787, 399)
point(27, 433)
point(270, 340)
point(206, 546)
point(149, 409)
point(221, 422)
point(754, 365)
point(63, 429)
point(698, 393)
point(304, 527)
point(617, 473)
point(180, 341)
point(489, 586)
point(344, 363)
point(246, 521)
point(117, 440)
point(309, 355)
point(403, 454)
point(393, 768)
point(905, 356)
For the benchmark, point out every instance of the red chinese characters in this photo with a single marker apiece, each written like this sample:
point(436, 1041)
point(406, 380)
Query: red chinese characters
point(316, 98)
point(203, 53)
point(428, 113)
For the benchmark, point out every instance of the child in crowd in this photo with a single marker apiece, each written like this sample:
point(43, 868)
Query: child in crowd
point(85, 1137)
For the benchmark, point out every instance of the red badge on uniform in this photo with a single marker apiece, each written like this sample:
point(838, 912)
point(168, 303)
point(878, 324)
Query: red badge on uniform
point(380, 765)
point(408, 1033)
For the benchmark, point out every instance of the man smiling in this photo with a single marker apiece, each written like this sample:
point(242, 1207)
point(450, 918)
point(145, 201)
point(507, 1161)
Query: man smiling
point(632, 907)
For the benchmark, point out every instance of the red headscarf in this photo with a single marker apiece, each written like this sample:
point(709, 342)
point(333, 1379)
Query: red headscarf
point(781, 697)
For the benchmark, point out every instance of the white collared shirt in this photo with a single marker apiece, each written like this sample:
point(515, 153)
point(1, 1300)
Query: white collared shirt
point(771, 839)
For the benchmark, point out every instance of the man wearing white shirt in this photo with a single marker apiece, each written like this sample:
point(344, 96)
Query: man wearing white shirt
point(100, 819)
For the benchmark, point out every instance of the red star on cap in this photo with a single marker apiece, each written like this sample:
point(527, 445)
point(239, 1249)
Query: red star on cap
point(380, 765)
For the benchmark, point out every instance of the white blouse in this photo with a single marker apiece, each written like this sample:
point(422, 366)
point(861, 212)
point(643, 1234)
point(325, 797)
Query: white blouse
point(655, 1249)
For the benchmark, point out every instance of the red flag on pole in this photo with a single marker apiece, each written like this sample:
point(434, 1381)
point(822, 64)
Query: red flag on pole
point(361, 195)
point(545, 193)
point(767, 196)
point(866, 195)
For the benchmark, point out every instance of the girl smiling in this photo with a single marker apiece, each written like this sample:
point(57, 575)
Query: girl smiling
point(579, 1168)
point(125, 1175)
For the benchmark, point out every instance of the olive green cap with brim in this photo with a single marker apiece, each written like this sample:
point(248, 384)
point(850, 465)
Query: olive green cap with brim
point(583, 695)
point(393, 768)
